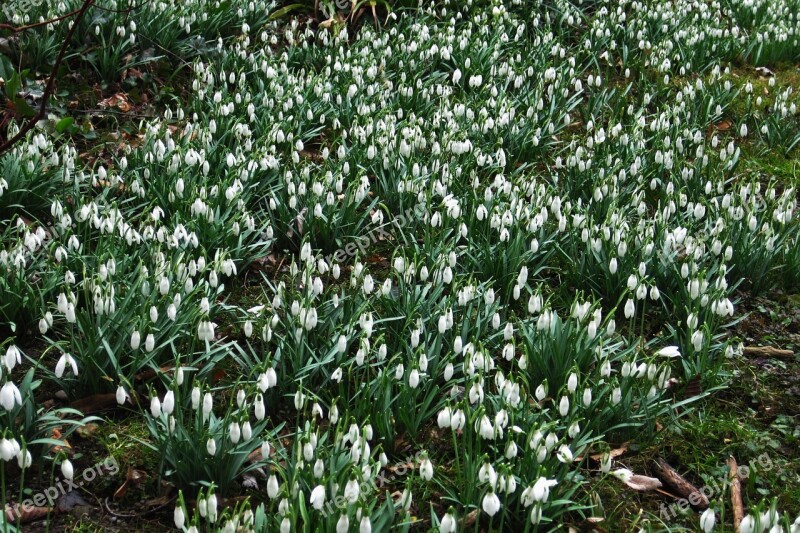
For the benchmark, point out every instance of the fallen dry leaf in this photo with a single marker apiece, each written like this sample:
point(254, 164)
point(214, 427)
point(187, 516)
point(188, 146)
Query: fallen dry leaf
point(616, 452)
point(133, 477)
point(118, 100)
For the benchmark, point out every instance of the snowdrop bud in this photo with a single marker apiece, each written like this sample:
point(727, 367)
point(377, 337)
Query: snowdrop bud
point(168, 405)
point(272, 487)
point(211, 446)
point(155, 407)
point(234, 432)
point(179, 517)
point(448, 371)
point(67, 470)
point(136, 340)
point(121, 395)
point(563, 406)
point(572, 382)
point(208, 403)
point(259, 408)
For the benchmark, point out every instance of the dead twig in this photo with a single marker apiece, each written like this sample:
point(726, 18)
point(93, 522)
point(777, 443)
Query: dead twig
point(679, 484)
point(767, 351)
point(736, 493)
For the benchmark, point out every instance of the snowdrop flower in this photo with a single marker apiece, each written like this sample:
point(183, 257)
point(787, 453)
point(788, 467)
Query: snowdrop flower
point(63, 361)
point(426, 469)
point(121, 395)
point(12, 357)
point(155, 407)
point(259, 408)
point(179, 517)
point(541, 489)
point(67, 470)
point(211, 446)
point(747, 525)
point(448, 523)
point(208, 403)
point(234, 432)
point(563, 406)
point(413, 378)
point(491, 503)
point(8, 449)
point(669, 351)
point(168, 405)
point(564, 454)
point(707, 520)
point(458, 420)
point(317, 498)
point(272, 487)
point(149, 342)
point(10, 396)
point(616, 395)
point(136, 340)
point(630, 309)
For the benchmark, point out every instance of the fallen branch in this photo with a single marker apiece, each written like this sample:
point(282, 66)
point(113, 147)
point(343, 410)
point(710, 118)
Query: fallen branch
point(51, 81)
point(736, 494)
point(679, 484)
point(767, 351)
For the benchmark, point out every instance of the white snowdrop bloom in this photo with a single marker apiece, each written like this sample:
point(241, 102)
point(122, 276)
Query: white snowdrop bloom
point(149, 342)
point(234, 432)
point(630, 309)
point(572, 382)
point(707, 520)
point(458, 419)
point(669, 351)
point(13, 357)
point(121, 395)
point(155, 407)
point(317, 498)
point(748, 524)
point(697, 340)
point(168, 405)
point(448, 524)
point(448, 371)
point(563, 406)
point(67, 470)
point(616, 395)
point(426, 469)
point(491, 503)
point(136, 340)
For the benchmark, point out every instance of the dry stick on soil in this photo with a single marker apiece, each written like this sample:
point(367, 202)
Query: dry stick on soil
point(736, 494)
point(680, 485)
point(767, 351)
point(51, 81)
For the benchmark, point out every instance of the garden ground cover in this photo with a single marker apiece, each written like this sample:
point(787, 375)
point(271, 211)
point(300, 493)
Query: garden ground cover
point(454, 266)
